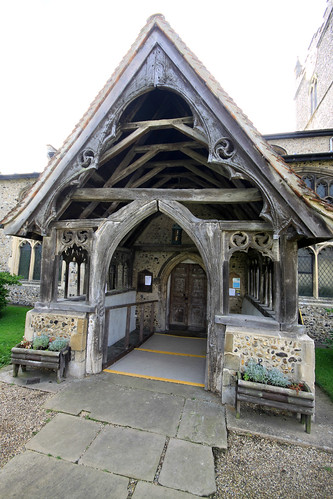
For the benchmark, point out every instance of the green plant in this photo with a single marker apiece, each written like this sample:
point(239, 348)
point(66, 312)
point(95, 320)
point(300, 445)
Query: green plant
point(58, 344)
point(6, 279)
point(40, 342)
point(260, 374)
point(12, 323)
point(324, 369)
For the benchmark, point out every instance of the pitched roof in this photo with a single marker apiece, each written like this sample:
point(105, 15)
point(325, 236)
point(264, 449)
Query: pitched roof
point(23, 210)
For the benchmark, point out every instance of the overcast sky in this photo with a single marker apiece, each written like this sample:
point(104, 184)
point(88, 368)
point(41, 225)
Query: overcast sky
point(57, 55)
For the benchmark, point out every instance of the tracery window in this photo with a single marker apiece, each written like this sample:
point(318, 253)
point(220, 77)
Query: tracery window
point(315, 271)
point(323, 186)
point(325, 272)
point(30, 255)
point(120, 270)
point(305, 272)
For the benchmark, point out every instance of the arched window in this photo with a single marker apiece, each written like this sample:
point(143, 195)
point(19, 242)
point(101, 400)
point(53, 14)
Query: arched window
point(309, 181)
point(323, 186)
point(325, 272)
point(305, 272)
point(30, 260)
point(25, 258)
point(322, 189)
point(37, 262)
point(313, 94)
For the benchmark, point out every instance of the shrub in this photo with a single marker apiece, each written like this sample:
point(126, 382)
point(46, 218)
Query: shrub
point(6, 279)
point(58, 344)
point(40, 342)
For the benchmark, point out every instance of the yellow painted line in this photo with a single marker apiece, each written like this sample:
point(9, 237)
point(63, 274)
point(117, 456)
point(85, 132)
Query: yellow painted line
point(178, 336)
point(171, 353)
point(179, 382)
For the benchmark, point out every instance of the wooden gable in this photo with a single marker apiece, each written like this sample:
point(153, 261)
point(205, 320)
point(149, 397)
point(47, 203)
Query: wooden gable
point(162, 128)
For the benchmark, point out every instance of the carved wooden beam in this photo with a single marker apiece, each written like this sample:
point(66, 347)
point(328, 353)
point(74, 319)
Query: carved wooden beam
point(123, 144)
point(193, 134)
point(165, 123)
point(216, 196)
point(173, 146)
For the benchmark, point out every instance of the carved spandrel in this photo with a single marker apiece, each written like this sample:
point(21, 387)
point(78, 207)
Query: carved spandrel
point(260, 241)
point(71, 238)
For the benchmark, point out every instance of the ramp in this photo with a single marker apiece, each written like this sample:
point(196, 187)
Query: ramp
point(165, 357)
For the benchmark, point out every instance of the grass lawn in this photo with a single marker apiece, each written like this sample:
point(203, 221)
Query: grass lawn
point(12, 323)
point(324, 370)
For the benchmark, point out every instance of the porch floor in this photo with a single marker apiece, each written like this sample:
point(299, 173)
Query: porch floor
point(166, 357)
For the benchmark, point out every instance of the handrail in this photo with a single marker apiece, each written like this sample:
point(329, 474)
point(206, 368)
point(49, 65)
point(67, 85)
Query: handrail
point(130, 304)
point(128, 317)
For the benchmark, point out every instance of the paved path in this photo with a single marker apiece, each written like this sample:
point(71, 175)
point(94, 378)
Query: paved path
point(118, 437)
point(112, 433)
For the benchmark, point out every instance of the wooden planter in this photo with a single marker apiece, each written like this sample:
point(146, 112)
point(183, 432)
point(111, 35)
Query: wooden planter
point(300, 402)
point(57, 361)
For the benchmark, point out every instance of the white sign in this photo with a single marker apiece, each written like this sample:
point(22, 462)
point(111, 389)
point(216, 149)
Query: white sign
point(147, 280)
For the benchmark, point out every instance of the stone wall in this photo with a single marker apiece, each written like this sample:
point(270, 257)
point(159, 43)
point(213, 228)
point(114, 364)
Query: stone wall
point(318, 320)
point(293, 356)
point(27, 294)
point(308, 145)
point(12, 188)
point(318, 65)
point(72, 326)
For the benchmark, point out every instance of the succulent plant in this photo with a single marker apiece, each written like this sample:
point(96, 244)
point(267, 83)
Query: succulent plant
point(260, 374)
point(58, 344)
point(40, 342)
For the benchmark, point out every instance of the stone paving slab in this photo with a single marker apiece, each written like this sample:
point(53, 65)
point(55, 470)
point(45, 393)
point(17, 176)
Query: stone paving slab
point(36, 476)
point(65, 436)
point(79, 395)
point(186, 391)
point(204, 422)
point(188, 467)
point(144, 490)
point(125, 451)
point(142, 409)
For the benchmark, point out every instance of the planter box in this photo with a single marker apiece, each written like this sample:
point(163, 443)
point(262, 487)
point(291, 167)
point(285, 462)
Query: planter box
point(57, 361)
point(300, 402)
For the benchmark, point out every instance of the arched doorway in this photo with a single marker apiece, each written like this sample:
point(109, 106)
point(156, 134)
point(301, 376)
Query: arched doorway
point(187, 297)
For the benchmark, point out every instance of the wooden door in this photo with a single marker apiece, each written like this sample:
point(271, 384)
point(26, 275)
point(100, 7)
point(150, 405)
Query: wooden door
point(188, 297)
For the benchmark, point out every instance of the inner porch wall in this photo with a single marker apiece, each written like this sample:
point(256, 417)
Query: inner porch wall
point(71, 326)
point(158, 236)
point(238, 268)
point(295, 357)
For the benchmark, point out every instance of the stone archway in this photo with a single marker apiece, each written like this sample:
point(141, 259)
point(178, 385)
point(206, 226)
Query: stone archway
point(108, 237)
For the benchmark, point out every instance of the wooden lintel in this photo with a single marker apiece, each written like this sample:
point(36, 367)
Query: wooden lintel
point(173, 146)
point(165, 123)
point(216, 196)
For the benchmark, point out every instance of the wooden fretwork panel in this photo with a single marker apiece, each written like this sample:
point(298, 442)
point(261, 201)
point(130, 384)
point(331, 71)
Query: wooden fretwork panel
point(188, 297)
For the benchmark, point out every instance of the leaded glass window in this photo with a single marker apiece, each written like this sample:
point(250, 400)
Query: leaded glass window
point(37, 264)
point(325, 272)
point(25, 257)
point(305, 272)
